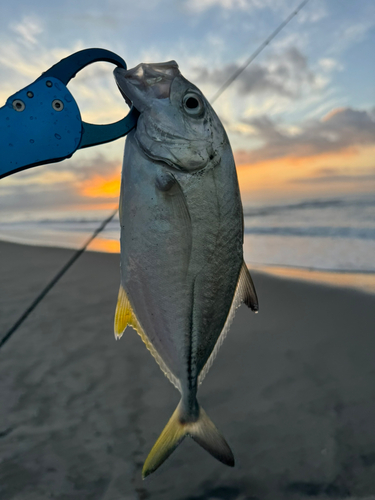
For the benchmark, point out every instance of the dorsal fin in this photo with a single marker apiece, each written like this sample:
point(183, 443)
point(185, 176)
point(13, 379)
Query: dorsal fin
point(245, 292)
point(124, 317)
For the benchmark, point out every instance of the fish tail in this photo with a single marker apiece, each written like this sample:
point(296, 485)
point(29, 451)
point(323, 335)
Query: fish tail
point(202, 430)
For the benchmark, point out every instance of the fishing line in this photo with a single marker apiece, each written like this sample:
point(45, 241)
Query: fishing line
point(250, 59)
point(79, 252)
point(54, 280)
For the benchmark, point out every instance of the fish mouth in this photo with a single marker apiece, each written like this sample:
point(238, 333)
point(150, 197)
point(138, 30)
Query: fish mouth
point(146, 82)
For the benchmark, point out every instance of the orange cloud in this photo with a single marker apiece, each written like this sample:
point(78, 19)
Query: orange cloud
point(100, 187)
point(332, 113)
point(280, 178)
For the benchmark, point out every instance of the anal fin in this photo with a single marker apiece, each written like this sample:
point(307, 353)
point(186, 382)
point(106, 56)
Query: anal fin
point(124, 317)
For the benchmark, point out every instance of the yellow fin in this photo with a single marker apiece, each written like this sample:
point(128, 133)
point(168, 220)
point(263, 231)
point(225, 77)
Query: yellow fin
point(124, 315)
point(172, 435)
point(203, 431)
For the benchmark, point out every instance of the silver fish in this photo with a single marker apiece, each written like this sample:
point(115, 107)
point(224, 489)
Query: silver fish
point(182, 268)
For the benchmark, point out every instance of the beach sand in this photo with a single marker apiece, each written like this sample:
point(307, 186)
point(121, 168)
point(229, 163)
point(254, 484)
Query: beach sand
point(292, 391)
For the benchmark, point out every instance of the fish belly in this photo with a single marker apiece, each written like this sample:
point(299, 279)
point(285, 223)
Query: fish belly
point(181, 254)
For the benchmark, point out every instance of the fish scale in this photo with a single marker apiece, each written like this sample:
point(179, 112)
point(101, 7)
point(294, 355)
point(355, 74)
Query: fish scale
point(182, 268)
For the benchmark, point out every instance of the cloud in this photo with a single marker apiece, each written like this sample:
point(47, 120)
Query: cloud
point(331, 175)
point(62, 185)
point(38, 197)
point(245, 5)
point(28, 29)
point(351, 32)
point(72, 170)
point(202, 5)
point(286, 74)
point(97, 19)
point(329, 64)
point(341, 129)
point(314, 14)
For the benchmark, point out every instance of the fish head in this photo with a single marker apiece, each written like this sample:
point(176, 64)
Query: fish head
point(177, 125)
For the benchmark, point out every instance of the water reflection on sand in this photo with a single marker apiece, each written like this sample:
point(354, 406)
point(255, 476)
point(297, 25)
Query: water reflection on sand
point(359, 281)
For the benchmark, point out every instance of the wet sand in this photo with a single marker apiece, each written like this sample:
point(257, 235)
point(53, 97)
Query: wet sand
point(292, 390)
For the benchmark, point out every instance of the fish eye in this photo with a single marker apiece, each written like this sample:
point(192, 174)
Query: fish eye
point(193, 104)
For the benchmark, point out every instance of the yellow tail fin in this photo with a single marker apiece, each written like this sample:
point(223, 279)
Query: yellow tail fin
point(203, 431)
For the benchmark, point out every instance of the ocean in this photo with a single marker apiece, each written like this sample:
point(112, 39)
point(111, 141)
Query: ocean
point(330, 240)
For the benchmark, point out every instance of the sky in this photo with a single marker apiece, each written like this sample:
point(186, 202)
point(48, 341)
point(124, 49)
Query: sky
point(300, 119)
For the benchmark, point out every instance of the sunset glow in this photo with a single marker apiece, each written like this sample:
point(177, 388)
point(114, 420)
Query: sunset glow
point(103, 245)
point(99, 187)
point(336, 173)
point(300, 118)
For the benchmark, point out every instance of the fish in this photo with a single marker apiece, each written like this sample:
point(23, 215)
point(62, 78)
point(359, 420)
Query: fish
point(183, 273)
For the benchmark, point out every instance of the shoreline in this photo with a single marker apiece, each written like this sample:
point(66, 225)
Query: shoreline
point(355, 280)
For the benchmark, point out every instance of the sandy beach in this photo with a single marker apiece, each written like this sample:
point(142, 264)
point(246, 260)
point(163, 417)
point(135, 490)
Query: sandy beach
point(292, 391)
